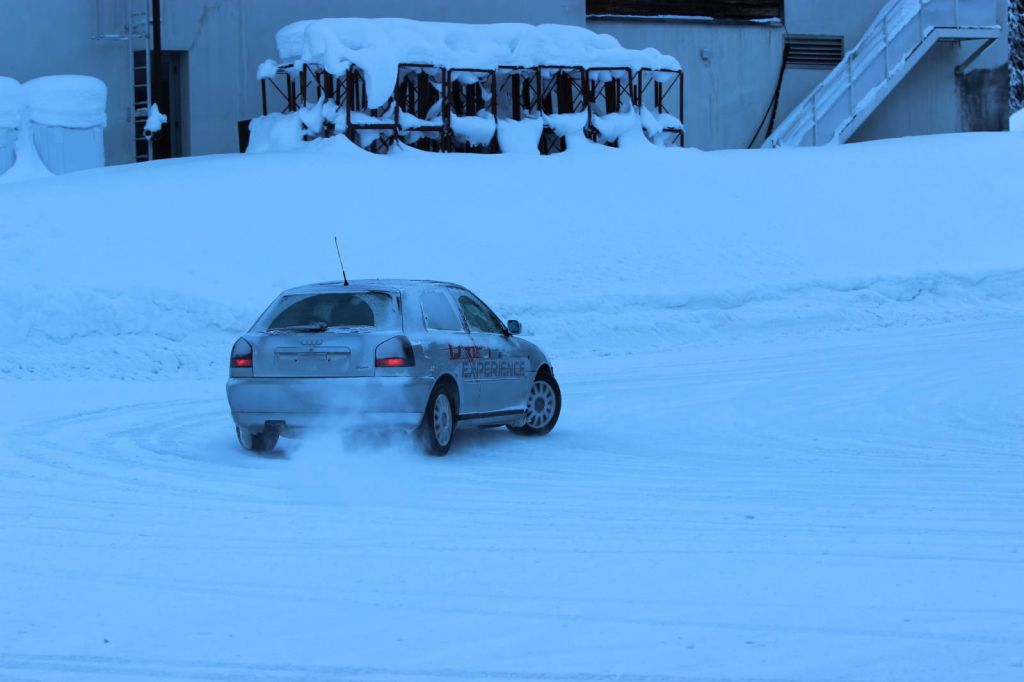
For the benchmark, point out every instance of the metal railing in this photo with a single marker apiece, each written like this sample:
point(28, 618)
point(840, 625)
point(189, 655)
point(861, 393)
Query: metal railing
point(893, 44)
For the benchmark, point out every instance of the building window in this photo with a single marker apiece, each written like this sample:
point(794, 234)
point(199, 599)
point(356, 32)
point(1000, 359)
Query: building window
point(814, 52)
point(728, 10)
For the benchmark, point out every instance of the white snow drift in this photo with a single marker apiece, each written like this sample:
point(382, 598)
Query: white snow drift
point(596, 249)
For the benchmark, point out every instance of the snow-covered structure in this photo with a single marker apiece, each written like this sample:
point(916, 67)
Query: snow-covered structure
point(68, 115)
point(59, 120)
point(465, 87)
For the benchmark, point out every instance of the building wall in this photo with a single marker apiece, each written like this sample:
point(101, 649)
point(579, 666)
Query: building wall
point(730, 72)
point(933, 98)
point(924, 103)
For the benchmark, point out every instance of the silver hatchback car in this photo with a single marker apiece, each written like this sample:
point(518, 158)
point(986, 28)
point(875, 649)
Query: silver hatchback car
point(421, 355)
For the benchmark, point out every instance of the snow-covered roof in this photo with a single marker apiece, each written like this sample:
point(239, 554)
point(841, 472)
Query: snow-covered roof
point(67, 101)
point(11, 102)
point(378, 46)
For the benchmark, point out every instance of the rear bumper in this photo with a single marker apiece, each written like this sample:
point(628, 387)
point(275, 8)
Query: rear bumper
point(300, 403)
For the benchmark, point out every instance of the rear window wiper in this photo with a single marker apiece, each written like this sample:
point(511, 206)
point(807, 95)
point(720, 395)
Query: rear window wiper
point(305, 328)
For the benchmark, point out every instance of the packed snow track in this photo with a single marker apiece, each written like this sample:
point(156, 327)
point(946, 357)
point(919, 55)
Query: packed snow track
point(842, 507)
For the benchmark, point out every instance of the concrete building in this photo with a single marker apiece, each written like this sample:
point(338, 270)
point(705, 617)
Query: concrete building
point(731, 51)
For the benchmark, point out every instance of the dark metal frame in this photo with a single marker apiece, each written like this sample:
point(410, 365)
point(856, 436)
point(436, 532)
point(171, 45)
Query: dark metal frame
point(355, 101)
point(438, 134)
point(567, 84)
point(559, 81)
point(613, 90)
point(572, 84)
point(510, 78)
point(482, 76)
point(287, 93)
point(661, 93)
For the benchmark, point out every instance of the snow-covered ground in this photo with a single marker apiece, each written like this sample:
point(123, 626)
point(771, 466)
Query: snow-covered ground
point(792, 446)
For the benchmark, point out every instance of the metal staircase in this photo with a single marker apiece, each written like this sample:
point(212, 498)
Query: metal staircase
point(900, 36)
point(129, 21)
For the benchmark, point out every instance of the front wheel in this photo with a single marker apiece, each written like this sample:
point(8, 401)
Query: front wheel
point(259, 441)
point(439, 420)
point(543, 406)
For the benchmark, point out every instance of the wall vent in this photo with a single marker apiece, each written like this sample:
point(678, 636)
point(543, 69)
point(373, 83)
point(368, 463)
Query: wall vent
point(814, 52)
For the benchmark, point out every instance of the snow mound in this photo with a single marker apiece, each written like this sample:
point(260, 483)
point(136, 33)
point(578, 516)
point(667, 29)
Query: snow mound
point(595, 250)
point(12, 102)
point(520, 137)
point(1017, 122)
point(27, 164)
point(67, 101)
point(378, 46)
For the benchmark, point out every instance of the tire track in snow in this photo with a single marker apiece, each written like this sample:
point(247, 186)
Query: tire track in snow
point(75, 666)
point(135, 449)
point(717, 498)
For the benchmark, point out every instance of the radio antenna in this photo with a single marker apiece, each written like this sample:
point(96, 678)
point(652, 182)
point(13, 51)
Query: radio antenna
point(337, 248)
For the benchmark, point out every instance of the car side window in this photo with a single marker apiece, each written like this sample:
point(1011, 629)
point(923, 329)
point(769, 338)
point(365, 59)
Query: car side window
point(438, 312)
point(479, 318)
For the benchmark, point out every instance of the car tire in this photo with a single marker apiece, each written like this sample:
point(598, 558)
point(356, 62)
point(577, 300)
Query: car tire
point(437, 431)
point(543, 406)
point(259, 441)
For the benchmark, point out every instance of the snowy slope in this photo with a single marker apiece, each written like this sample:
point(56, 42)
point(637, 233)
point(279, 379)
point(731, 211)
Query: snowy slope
point(790, 448)
point(154, 268)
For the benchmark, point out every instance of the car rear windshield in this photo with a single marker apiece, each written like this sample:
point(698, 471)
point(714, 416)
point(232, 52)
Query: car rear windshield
point(309, 312)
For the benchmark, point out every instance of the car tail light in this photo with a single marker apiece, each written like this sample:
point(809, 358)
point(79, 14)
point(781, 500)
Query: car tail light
point(241, 355)
point(395, 352)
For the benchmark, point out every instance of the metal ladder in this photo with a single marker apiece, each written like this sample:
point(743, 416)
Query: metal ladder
point(130, 22)
point(899, 37)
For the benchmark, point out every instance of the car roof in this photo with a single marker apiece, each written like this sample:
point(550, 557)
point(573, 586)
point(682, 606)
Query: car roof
point(367, 285)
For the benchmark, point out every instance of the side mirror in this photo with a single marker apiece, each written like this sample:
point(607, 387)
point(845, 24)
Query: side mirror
point(514, 327)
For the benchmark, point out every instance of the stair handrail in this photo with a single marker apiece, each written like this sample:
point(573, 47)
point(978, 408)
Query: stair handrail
point(882, 27)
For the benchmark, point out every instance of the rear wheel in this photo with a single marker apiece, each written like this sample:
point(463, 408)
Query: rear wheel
point(256, 441)
point(439, 420)
point(543, 406)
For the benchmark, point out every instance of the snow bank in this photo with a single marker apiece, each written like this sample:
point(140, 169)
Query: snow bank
point(520, 137)
point(275, 132)
point(378, 46)
point(67, 101)
point(477, 130)
point(596, 251)
point(1017, 122)
point(12, 102)
point(27, 164)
